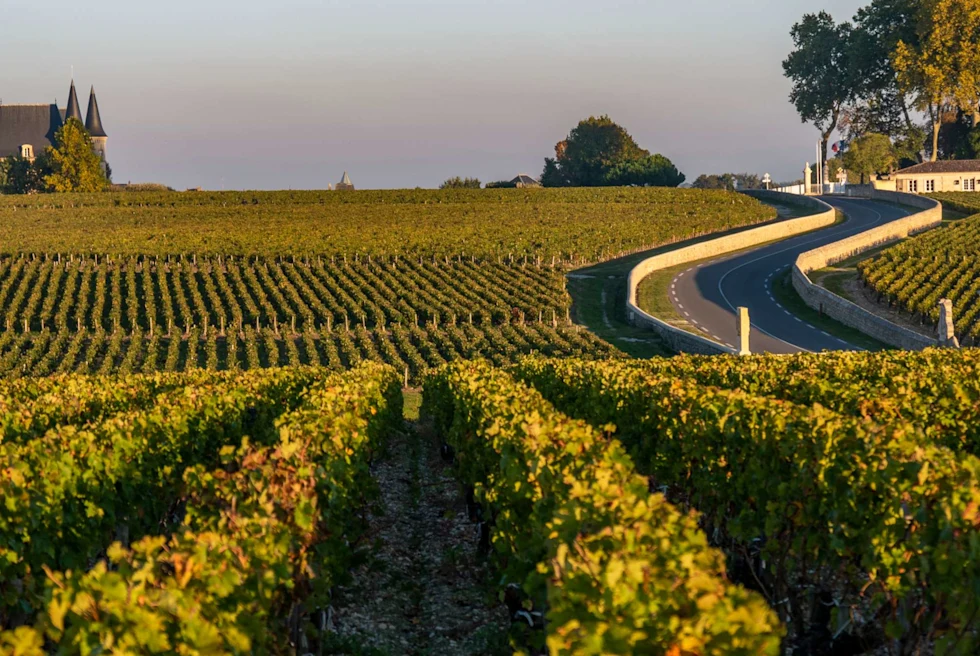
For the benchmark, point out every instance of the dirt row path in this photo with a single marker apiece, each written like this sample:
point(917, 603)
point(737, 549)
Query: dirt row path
point(424, 589)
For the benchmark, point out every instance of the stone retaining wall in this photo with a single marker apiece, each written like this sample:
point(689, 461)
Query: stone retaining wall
point(683, 341)
point(851, 314)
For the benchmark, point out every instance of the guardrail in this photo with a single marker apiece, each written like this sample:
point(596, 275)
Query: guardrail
point(844, 311)
point(681, 340)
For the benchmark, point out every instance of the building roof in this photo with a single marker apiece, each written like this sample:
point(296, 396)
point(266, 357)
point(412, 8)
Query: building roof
point(27, 124)
point(73, 110)
point(93, 121)
point(345, 180)
point(525, 179)
point(943, 166)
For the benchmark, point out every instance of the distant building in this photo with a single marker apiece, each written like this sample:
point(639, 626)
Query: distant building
point(26, 130)
point(948, 175)
point(524, 180)
point(345, 184)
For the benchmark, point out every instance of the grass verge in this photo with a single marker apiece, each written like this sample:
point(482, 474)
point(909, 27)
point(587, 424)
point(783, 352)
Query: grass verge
point(782, 290)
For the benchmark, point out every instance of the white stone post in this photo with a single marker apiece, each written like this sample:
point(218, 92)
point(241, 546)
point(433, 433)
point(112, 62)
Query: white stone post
point(947, 332)
point(744, 327)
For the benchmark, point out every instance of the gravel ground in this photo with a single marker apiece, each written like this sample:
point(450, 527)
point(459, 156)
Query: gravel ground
point(424, 590)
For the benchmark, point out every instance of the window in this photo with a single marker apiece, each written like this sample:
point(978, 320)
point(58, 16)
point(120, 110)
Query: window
point(27, 151)
point(930, 185)
point(914, 186)
point(969, 184)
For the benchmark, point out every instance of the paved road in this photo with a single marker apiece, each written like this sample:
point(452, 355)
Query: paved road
point(707, 294)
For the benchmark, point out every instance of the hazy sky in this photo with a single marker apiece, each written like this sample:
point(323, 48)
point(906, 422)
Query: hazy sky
point(290, 93)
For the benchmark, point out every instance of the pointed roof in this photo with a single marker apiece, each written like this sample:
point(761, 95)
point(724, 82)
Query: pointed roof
point(73, 110)
point(93, 122)
point(345, 180)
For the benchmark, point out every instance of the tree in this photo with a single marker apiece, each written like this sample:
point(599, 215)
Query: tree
point(74, 166)
point(729, 181)
point(598, 152)
point(941, 67)
point(24, 176)
point(461, 183)
point(870, 155)
point(649, 171)
point(821, 70)
point(879, 28)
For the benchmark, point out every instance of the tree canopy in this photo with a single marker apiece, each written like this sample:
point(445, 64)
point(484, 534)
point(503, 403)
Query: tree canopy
point(730, 181)
point(461, 183)
point(870, 155)
point(73, 165)
point(600, 153)
point(821, 70)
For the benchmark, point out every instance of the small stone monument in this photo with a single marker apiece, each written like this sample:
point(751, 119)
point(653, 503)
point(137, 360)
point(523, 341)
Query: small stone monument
point(744, 327)
point(807, 172)
point(947, 333)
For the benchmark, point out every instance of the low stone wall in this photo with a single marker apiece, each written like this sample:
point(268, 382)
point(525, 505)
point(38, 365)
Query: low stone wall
point(844, 311)
point(683, 341)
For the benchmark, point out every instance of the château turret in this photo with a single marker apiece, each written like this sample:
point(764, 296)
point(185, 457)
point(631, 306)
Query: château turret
point(93, 124)
point(73, 110)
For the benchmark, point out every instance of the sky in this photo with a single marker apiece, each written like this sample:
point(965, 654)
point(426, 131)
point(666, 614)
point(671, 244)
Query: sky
point(292, 93)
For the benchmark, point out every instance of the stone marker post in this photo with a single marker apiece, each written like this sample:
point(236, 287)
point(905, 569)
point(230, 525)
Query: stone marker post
point(744, 327)
point(947, 333)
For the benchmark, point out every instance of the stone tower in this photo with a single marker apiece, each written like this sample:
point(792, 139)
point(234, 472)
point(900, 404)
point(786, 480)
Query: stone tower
point(93, 123)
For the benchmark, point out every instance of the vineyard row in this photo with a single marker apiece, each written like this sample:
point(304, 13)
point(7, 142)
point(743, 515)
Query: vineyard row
point(225, 293)
point(605, 566)
point(407, 348)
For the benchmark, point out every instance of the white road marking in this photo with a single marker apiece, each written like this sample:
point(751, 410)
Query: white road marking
point(680, 306)
point(826, 333)
point(681, 274)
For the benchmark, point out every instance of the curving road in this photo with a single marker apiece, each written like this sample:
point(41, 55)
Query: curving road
point(708, 293)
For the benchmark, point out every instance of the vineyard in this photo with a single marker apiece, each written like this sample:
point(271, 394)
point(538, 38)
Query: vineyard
point(943, 263)
point(826, 503)
point(95, 315)
point(847, 496)
point(577, 225)
point(142, 282)
point(203, 539)
point(962, 202)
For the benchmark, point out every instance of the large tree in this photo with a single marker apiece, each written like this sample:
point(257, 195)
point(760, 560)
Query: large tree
point(821, 69)
point(879, 28)
point(74, 165)
point(598, 152)
point(940, 67)
point(870, 155)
